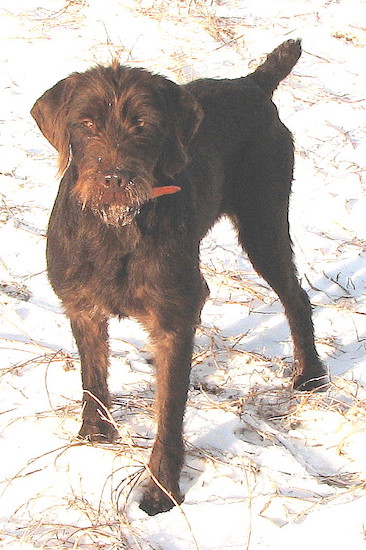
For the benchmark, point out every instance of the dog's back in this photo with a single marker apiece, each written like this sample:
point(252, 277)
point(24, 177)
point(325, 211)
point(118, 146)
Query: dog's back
point(239, 115)
point(234, 107)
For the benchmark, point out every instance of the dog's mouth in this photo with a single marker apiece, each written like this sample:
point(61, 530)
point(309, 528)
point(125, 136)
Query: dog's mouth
point(118, 214)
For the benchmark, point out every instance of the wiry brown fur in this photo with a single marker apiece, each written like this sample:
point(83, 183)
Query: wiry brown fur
point(115, 250)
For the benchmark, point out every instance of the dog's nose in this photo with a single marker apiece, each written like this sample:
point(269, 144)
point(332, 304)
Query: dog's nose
point(117, 178)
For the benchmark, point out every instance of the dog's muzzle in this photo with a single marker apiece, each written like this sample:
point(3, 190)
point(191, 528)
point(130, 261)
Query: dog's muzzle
point(118, 214)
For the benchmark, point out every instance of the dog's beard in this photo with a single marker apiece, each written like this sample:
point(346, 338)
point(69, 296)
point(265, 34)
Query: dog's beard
point(117, 207)
point(116, 214)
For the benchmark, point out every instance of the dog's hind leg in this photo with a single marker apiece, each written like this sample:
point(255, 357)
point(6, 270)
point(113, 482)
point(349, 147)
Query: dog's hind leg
point(260, 213)
point(268, 248)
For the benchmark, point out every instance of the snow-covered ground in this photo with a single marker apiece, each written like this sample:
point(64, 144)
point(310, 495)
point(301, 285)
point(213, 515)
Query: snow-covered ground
point(265, 468)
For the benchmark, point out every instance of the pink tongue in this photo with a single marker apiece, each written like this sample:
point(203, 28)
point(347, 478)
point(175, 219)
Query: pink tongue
point(167, 190)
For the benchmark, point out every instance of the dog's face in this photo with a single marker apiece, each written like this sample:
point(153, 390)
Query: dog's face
point(120, 128)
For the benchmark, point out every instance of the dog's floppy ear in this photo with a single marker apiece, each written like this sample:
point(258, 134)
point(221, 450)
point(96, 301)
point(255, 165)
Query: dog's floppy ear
point(184, 116)
point(50, 112)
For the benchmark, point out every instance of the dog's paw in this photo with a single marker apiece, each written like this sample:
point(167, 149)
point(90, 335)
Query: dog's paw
point(319, 382)
point(155, 501)
point(101, 432)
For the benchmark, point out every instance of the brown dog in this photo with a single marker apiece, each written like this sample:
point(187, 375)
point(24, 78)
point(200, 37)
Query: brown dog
point(149, 167)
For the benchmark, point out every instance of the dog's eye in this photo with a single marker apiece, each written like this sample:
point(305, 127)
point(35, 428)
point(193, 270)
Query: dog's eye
point(88, 123)
point(140, 124)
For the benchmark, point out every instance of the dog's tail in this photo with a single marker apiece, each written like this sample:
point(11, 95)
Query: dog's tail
point(277, 65)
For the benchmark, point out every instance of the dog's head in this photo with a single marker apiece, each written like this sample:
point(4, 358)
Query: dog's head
point(121, 129)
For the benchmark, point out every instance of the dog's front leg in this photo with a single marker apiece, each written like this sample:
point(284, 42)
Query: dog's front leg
point(91, 335)
point(173, 353)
